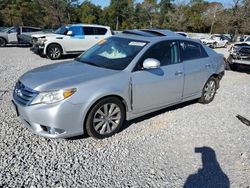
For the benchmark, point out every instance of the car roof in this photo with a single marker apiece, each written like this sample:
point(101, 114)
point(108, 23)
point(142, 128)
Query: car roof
point(90, 25)
point(31, 27)
point(151, 35)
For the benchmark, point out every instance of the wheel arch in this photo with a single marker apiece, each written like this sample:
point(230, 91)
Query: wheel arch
point(4, 39)
point(101, 98)
point(217, 78)
point(53, 43)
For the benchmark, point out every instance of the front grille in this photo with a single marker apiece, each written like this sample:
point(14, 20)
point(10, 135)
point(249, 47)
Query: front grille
point(23, 95)
point(244, 51)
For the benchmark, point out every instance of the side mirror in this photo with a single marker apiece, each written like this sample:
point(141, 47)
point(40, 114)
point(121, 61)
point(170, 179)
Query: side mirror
point(151, 63)
point(70, 33)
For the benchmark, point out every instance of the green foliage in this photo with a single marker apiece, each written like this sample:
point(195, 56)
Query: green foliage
point(89, 13)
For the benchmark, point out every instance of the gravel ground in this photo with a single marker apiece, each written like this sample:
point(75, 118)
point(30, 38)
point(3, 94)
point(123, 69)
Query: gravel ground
point(157, 150)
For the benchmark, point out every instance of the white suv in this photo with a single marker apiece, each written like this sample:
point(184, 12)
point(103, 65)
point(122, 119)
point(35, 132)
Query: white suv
point(70, 39)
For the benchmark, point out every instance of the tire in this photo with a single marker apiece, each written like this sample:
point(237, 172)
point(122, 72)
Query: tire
point(54, 51)
point(2, 42)
point(233, 67)
point(214, 45)
point(225, 46)
point(227, 66)
point(101, 124)
point(209, 91)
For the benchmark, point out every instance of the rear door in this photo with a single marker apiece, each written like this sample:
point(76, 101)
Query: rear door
point(100, 33)
point(90, 37)
point(155, 88)
point(196, 64)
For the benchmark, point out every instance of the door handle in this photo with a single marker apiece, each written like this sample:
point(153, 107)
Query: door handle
point(178, 73)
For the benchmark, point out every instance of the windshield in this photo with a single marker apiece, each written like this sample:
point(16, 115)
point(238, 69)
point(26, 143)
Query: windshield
point(5, 29)
point(112, 53)
point(62, 30)
point(8, 29)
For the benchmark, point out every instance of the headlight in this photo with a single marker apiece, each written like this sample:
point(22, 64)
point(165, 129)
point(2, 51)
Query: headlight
point(42, 40)
point(53, 96)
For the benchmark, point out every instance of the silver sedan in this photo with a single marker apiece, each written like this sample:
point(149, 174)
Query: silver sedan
point(120, 78)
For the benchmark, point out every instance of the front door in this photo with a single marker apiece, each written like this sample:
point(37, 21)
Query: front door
point(12, 35)
point(75, 42)
point(158, 87)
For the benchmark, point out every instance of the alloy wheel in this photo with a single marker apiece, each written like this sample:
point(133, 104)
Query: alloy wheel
point(209, 90)
point(54, 52)
point(107, 118)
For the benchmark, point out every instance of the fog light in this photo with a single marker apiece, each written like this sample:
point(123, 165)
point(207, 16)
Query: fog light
point(51, 130)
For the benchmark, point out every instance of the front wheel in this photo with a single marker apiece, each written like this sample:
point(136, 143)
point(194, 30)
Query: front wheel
point(2, 42)
point(54, 52)
point(209, 91)
point(214, 45)
point(105, 118)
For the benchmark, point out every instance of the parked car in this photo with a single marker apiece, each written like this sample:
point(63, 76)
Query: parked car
point(70, 39)
point(120, 78)
point(215, 41)
point(239, 54)
point(15, 35)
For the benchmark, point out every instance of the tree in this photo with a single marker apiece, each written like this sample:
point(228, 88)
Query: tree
point(89, 13)
point(165, 7)
point(150, 9)
point(211, 13)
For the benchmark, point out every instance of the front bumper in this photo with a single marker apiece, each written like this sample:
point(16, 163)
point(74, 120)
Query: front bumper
point(241, 61)
point(63, 116)
point(36, 48)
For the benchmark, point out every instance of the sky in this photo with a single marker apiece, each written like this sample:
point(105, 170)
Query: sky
point(104, 3)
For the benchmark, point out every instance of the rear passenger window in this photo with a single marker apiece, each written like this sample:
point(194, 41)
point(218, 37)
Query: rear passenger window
point(191, 50)
point(77, 31)
point(89, 31)
point(166, 52)
point(101, 31)
point(26, 30)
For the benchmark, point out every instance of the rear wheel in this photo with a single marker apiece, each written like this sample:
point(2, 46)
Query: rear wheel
point(2, 42)
point(209, 91)
point(105, 118)
point(54, 51)
point(233, 67)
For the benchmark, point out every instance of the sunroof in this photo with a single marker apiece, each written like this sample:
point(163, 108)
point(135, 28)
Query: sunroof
point(145, 33)
point(153, 32)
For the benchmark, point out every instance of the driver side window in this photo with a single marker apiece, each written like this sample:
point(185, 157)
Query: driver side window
point(77, 31)
point(166, 52)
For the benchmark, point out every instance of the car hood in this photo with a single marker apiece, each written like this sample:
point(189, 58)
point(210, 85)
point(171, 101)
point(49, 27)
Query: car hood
point(63, 75)
point(3, 33)
point(42, 35)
